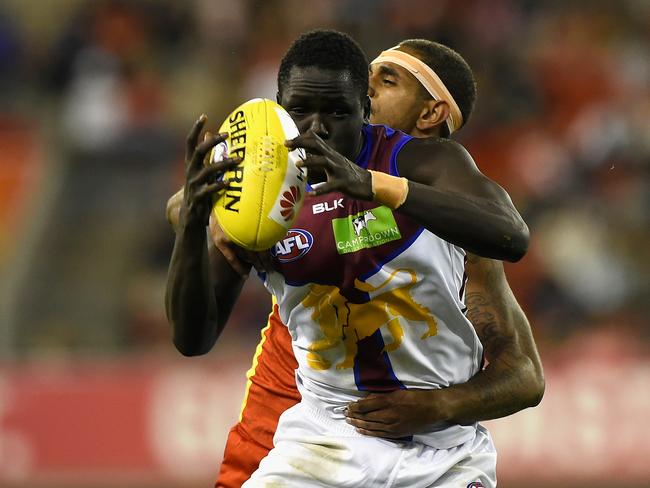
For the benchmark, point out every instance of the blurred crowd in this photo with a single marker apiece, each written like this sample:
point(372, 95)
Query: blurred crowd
point(96, 98)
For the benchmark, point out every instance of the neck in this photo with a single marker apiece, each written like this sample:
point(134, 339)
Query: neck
point(420, 134)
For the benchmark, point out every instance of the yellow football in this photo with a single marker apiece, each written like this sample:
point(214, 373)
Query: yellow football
point(266, 189)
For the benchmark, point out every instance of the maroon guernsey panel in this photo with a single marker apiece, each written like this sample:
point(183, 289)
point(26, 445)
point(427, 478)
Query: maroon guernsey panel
point(330, 244)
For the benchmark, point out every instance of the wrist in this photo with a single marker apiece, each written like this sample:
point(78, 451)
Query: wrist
point(189, 222)
point(367, 185)
point(388, 190)
point(443, 406)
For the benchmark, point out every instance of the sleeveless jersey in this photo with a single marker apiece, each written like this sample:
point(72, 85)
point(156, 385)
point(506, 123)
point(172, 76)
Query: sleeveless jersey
point(373, 301)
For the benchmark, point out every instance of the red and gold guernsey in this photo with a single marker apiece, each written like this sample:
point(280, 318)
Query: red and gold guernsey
point(373, 301)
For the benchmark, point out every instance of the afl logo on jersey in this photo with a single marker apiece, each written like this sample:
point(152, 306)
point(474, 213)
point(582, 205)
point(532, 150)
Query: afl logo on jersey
point(295, 245)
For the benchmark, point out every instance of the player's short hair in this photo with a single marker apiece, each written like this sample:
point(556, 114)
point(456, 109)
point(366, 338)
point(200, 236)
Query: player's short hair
point(450, 67)
point(326, 49)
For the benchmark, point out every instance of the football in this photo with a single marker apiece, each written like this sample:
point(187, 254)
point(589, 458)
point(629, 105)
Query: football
point(266, 189)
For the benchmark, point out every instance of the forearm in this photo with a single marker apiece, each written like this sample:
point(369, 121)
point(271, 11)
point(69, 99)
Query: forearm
point(513, 379)
point(190, 302)
point(482, 226)
point(504, 387)
point(201, 287)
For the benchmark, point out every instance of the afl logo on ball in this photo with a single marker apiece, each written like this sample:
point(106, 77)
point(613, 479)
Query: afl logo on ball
point(476, 484)
point(295, 245)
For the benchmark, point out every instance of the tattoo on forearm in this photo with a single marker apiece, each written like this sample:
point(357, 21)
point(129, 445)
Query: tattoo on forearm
point(502, 388)
point(486, 319)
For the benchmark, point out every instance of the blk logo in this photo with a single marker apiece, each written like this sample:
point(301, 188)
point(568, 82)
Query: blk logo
point(295, 245)
point(326, 206)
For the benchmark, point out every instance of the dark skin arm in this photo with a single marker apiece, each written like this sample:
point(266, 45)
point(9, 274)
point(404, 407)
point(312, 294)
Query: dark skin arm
point(201, 286)
point(512, 381)
point(514, 378)
point(239, 259)
point(454, 200)
point(448, 195)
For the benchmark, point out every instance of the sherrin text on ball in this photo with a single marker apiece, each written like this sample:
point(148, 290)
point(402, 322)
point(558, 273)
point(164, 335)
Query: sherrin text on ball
point(266, 189)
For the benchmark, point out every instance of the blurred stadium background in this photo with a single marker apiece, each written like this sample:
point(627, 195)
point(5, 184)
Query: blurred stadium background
point(95, 101)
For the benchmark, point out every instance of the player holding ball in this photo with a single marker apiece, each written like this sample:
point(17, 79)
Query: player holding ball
point(376, 305)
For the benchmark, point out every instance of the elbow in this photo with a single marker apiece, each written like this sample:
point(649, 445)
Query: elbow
point(190, 348)
point(517, 242)
point(189, 352)
point(189, 337)
point(193, 341)
point(537, 390)
point(535, 385)
point(528, 380)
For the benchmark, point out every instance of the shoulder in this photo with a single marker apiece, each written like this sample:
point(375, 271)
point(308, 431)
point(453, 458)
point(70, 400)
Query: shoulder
point(381, 145)
point(383, 137)
point(426, 159)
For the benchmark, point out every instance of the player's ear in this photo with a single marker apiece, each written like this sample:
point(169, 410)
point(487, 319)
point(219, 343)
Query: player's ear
point(366, 110)
point(434, 113)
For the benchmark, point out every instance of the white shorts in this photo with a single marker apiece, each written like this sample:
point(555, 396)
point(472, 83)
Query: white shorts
point(314, 450)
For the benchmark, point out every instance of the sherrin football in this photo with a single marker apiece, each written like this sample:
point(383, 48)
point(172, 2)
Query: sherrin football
point(266, 189)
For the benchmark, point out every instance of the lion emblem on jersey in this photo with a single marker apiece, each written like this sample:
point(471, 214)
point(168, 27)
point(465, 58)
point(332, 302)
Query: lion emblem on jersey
point(343, 321)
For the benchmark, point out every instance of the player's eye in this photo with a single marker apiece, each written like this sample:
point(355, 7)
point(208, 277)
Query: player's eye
point(340, 112)
point(297, 111)
point(387, 81)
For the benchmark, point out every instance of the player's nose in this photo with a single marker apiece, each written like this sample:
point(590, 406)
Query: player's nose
point(318, 127)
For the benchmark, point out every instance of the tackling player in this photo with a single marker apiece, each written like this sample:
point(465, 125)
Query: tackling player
point(508, 344)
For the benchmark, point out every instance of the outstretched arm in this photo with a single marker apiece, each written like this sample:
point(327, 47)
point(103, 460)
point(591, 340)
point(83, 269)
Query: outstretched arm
point(454, 200)
point(512, 381)
point(447, 194)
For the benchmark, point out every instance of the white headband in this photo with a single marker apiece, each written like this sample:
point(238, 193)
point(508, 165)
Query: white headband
point(429, 80)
